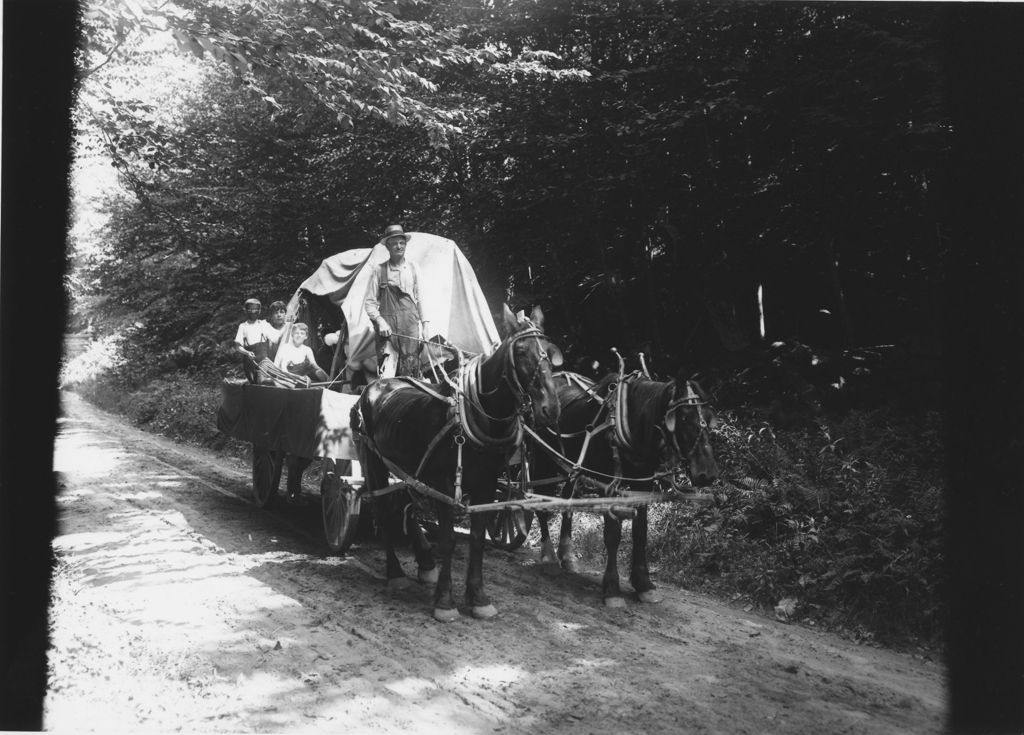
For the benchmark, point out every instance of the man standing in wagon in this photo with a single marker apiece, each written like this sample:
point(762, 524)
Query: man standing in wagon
point(393, 305)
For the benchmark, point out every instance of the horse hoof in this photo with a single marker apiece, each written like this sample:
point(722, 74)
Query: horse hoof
point(445, 616)
point(484, 611)
point(614, 602)
point(651, 596)
point(398, 584)
point(547, 553)
point(428, 576)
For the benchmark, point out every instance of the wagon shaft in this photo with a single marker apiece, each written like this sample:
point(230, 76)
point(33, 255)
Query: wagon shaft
point(546, 503)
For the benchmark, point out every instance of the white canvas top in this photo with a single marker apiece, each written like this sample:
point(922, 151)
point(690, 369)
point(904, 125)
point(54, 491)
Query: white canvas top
point(449, 290)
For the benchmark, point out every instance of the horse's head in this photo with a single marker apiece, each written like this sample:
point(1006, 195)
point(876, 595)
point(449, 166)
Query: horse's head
point(687, 423)
point(532, 357)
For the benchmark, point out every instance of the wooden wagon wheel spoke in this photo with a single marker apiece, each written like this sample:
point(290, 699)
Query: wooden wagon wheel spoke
point(508, 527)
point(266, 476)
point(341, 507)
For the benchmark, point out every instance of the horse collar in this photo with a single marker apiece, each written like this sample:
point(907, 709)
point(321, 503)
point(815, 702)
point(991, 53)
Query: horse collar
point(620, 410)
point(469, 393)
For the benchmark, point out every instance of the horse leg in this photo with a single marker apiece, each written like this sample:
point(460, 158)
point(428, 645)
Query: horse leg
point(565, 555)
point(610, 584)
point(476, 598)
point(444, 604)
point(426, 566)
point(391, 529)
point(388, 512)
point(640, 575)
point(547, 550)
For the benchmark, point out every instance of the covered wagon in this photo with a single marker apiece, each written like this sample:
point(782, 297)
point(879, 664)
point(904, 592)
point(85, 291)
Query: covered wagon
point(290, 422)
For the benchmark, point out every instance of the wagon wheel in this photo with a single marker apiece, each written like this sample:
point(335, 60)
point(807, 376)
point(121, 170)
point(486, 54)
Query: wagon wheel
point(507, 528)
point(266, 476)
point(341, 505)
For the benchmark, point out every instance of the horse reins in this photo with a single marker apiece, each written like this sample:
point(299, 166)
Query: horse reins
point(470, 378)
point(615, 406)
point(466, 404)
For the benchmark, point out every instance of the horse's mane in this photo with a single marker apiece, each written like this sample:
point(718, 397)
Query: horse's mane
point(649, 391)
point(641, 389)
point(650, 398)
point(648, 401)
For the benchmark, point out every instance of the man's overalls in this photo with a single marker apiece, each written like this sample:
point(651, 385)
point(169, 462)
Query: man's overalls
point(398, 355)
point(262, 351)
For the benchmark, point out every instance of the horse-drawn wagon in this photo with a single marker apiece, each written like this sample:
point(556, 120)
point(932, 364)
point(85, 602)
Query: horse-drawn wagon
point(291, 422)
point(463, 444)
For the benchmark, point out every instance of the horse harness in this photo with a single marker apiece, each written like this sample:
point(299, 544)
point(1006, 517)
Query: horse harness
point(466, 413)
point(613, 418)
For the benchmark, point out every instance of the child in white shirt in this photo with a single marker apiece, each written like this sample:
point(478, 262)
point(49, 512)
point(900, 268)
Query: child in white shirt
point(297, 358)
point(254, 339)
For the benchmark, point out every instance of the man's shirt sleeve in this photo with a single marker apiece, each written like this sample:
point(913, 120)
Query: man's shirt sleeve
point(371, 304)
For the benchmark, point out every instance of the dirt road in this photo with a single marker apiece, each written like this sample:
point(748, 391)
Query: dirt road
point(179, 606)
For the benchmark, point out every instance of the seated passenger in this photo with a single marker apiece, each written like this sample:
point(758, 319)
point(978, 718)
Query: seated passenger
point(278, 309)
point(297, 358)
point(253, 339)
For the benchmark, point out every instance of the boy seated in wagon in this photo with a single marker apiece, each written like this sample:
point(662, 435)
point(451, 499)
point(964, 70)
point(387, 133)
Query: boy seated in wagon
point(296, 356)
point(278, 313)
point(254, 339)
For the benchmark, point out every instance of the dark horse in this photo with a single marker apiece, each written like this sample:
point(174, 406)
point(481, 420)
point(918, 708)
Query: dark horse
point(650, 426)
point(454, 438)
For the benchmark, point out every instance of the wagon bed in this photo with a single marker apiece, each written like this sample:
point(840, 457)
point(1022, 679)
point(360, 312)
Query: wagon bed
point(314, 423)
point(305, 422)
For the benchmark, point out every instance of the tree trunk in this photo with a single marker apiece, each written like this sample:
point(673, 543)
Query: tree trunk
point(840, 298)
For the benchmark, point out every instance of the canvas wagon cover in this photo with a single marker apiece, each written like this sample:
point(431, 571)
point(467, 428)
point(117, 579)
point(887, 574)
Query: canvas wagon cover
point(451, 297)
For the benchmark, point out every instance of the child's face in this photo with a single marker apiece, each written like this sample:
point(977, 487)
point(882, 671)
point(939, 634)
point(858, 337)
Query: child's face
point(252, 312)
point(298, 336)
point(277, 318)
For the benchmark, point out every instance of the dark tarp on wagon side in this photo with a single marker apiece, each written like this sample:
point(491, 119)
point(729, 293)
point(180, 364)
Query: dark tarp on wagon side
point(302, 422)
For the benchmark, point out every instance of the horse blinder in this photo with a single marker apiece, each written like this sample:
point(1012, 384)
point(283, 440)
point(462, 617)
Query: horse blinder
point(706, 418)
point(553, 354)
point(546, 352)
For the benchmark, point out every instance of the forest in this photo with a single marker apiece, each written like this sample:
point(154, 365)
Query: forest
point(756, 194)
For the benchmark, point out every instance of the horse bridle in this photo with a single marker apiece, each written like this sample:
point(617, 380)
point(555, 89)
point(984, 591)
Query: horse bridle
point(471, 393)
point(692, 398)
point(518, 389)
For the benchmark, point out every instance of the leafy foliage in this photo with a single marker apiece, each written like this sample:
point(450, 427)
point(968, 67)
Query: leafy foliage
point(658, 175)
point(845, 516)
point(614, 160)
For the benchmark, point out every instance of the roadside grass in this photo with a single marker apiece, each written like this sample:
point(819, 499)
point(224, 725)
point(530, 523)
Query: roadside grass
point(181, 405)
point(839, 519)
point(841, 523)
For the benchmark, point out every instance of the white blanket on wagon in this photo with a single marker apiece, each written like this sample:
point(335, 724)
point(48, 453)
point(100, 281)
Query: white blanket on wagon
point(334, 430)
